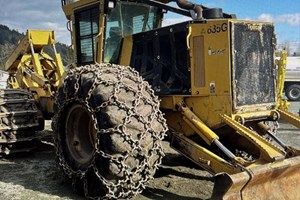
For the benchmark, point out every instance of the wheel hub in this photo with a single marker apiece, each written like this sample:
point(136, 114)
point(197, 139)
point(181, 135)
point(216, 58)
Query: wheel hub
point(80, 135)
point(295, 93)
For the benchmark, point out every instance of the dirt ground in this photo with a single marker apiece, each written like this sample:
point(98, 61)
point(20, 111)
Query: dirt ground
point(35, 176)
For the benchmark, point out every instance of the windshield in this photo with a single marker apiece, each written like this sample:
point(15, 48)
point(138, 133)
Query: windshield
point(127, 19)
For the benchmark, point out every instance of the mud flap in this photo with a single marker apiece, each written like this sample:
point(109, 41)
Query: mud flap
point(278, 180)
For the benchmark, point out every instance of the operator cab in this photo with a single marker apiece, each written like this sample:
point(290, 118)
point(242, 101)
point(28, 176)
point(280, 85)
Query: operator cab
point(125, 19)
point(97, 30)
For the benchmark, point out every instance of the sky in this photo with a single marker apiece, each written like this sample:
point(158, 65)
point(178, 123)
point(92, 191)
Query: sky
point(47, 14)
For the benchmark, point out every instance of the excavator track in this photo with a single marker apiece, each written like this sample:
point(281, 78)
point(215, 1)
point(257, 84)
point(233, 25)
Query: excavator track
point(18, 121)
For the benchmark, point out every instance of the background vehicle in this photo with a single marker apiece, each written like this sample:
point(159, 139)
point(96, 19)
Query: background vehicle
point(217, 91)
point(292, 79)
point(292, 84)
point(33, 77)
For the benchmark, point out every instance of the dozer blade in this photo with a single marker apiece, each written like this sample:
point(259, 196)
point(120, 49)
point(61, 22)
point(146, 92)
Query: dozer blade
point(278, 180)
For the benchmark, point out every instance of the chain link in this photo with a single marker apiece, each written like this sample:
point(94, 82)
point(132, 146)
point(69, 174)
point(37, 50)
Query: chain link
point(143, 95)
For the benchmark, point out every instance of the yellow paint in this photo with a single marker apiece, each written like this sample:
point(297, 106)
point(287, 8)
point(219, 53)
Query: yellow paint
point(31, 68)
point(281, 70)
point(210, 110)
point(125, 54)
point(206, 133)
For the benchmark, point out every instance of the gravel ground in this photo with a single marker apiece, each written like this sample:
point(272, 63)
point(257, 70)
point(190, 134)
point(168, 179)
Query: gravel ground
point(35, 176)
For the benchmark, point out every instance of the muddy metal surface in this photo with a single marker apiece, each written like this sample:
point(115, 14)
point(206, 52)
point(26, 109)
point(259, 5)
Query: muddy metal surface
point(35, 176)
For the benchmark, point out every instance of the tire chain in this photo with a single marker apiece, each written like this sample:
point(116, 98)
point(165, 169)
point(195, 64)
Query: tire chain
point(114, 188)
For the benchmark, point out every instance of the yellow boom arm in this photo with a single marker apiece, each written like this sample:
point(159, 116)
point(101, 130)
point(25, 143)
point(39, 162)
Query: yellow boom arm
point(31, 68)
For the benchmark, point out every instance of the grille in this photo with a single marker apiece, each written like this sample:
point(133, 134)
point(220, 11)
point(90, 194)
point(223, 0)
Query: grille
point(253, 63)
point(161, 56)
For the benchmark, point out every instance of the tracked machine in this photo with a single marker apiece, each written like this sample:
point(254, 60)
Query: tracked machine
point(215, 77)
point(33, 80)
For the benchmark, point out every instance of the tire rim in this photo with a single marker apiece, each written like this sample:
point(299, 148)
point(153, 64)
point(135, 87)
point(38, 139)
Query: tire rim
point(80, 135)
point(295, 93)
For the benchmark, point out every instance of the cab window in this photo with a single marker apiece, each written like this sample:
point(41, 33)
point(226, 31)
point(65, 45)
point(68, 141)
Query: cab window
point(86, 22)
point(126, 19)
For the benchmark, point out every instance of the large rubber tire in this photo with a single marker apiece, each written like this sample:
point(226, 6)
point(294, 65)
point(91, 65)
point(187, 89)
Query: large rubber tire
point(293, 92)
point(108, 131)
